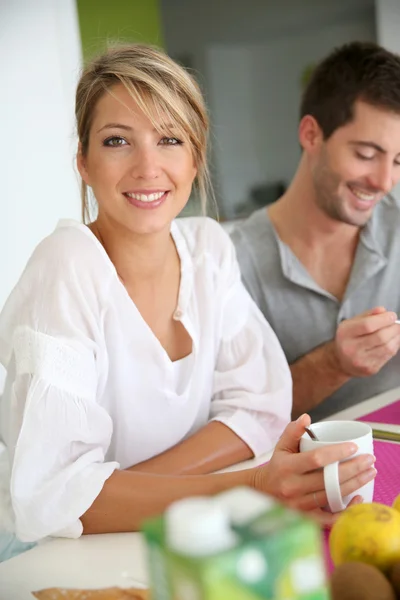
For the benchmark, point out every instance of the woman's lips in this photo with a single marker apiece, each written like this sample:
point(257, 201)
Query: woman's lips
point(154, 199)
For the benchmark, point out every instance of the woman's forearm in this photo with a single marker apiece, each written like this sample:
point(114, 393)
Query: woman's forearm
point(128, 498)
point(210, 449)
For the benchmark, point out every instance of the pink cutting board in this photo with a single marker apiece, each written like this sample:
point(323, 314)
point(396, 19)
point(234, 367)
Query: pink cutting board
point(387, 414)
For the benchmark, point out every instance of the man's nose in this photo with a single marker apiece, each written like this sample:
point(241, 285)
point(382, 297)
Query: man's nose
point(383, 178)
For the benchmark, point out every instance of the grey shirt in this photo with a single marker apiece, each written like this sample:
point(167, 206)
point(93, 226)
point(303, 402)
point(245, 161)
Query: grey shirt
point(303, 314)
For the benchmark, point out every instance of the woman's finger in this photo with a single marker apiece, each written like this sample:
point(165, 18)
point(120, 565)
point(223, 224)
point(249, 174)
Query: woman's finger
point(322, 517)
point(307, 483)
point(355, 483)
point(349, 487)
point(328, 519)
point(304, 462)
point(290, 438)
point(355, 466)
point(318, 498)
point(355, 500)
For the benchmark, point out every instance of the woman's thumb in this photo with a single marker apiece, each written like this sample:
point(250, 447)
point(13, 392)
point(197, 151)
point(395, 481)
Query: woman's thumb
point(290, 438)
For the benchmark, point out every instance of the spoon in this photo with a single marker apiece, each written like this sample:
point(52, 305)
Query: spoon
point(311, 434)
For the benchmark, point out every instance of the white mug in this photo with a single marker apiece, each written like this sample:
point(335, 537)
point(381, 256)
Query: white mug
point(335, 432)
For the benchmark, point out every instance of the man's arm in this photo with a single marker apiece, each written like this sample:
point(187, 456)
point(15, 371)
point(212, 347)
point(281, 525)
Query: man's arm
point(362, 346)
point(210, 449)
point(316, 376)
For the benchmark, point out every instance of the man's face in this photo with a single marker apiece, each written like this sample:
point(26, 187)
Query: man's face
point(358, 165)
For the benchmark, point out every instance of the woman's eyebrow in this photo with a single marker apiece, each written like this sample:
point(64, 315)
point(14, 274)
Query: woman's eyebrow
point(115, 126)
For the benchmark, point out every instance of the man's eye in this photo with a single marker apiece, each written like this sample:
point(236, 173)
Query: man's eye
point(114, 142)
point(363, 156)
point(170, 141)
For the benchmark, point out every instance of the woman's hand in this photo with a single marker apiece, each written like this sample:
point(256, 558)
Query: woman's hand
point(297, 479)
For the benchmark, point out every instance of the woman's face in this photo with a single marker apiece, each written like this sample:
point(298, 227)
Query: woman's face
point(141, 179)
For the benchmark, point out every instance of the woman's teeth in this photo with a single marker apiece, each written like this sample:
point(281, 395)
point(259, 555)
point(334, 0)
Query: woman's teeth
point(145, 197)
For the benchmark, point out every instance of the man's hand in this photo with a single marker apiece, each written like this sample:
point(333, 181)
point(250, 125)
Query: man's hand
point(364, 344)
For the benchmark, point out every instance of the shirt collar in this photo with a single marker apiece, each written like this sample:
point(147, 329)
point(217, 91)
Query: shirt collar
point(186, 282)
point(369, 260)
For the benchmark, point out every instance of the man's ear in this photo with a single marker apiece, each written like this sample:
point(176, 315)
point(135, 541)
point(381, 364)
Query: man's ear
point(310, 134)
point(81, 164)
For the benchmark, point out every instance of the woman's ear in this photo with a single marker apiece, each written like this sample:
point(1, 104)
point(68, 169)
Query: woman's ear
point(195, 169)
point(81, 163)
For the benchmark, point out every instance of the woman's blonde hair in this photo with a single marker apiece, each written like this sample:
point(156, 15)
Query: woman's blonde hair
point(163, 90)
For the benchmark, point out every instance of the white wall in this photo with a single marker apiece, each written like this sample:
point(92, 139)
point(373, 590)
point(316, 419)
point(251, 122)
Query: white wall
point(388, 24)
point(254, 96)
point(388, 35)
point(40, 50)
point(235, 45)
point(230, 79)
point(189, 26)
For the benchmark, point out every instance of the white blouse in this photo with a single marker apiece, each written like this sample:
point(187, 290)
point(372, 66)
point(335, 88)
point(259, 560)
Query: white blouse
point(90, 389)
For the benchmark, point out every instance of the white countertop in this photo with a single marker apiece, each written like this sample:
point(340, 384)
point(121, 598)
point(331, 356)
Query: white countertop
point(92, 561)
point(119, 559)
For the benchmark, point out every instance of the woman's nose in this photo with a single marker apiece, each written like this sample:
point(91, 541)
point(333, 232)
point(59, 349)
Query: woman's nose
point(146, 164)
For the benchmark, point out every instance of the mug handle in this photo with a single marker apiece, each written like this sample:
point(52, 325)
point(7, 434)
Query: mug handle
point(332, 487)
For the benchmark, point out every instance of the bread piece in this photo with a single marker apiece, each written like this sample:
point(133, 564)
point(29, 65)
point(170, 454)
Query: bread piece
point(113, 593)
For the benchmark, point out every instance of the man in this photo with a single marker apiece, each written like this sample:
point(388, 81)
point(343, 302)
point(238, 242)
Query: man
point(323, 262)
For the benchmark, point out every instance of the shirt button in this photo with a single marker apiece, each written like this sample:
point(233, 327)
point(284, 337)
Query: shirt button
point(178, 313)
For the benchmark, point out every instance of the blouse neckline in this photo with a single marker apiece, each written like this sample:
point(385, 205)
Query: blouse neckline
point(185, 284)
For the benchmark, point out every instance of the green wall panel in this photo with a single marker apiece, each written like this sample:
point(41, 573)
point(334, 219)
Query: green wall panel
point(109, 21)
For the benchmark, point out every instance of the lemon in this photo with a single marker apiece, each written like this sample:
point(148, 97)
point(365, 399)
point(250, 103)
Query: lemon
point(368, 533)
point(396, 503)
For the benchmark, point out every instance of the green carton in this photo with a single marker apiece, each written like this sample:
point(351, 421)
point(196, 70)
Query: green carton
point(269, 552)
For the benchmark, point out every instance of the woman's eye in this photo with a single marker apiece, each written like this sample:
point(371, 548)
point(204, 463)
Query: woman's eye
point(114, 142)
point(170, 141)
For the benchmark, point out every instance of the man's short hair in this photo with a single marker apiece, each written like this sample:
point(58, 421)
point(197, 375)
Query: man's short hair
point(356, 71)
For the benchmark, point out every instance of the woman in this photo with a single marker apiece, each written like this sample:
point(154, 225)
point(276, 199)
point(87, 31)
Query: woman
point(136, 362)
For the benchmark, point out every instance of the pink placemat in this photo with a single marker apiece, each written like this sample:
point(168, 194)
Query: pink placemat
point(387, 414)
point(387, 482)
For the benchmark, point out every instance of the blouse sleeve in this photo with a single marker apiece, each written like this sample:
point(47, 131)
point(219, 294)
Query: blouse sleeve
point(252, 379)
point(56, 433)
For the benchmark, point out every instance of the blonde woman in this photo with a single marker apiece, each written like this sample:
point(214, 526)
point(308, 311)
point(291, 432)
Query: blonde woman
point(137, 364)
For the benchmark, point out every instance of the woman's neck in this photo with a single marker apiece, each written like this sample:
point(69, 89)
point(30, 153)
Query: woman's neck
point(136, 257)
